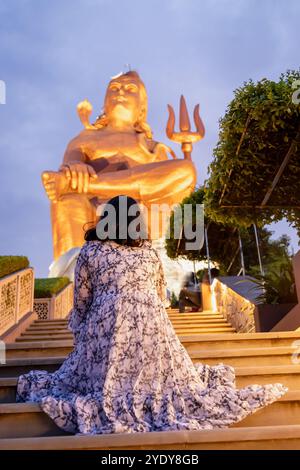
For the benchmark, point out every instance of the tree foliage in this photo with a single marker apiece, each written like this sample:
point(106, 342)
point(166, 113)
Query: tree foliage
point(176, 247)
point(223, 241)
point(258, 129)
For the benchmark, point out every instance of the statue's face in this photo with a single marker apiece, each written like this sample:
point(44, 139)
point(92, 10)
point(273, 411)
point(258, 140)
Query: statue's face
point(123, 99)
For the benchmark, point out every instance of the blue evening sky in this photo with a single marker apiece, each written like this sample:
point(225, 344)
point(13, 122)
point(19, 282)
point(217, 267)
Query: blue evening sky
point(56, 53)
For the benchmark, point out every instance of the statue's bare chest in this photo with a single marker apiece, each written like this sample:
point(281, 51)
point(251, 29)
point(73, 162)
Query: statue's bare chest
point(104, 144)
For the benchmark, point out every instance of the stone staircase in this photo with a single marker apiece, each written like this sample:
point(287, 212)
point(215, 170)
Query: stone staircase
point(257, 358)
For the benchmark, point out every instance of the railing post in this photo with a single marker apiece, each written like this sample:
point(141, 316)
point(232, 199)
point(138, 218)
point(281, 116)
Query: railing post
point(296, 269)
point(242, 255)
point(258, 251)
point(207, 255)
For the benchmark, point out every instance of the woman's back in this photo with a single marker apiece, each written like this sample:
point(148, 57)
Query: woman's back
point(121, 269)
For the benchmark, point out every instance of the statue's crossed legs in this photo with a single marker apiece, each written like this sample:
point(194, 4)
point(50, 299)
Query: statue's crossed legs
point(165, 182)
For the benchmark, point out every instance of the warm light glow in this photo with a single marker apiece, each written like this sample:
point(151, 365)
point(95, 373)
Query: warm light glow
point(214, 305)
point(120, 139)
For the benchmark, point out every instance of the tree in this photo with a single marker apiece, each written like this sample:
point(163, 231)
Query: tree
point(223, 241)
point(260, 128)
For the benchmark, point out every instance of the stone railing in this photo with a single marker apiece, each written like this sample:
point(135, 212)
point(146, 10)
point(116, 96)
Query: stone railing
point(235, 308)
point(55, 307)
point(16, 298)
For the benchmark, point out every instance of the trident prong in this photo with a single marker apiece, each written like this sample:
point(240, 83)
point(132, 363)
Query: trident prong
point(185, 137)
point(184, 120)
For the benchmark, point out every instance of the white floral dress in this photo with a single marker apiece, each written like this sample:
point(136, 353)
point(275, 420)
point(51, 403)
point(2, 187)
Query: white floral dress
point(128, 371)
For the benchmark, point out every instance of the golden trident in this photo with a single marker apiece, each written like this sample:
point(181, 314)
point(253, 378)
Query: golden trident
point(185, 137)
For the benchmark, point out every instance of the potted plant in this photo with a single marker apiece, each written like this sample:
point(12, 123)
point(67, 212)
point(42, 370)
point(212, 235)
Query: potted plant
point(278, 294)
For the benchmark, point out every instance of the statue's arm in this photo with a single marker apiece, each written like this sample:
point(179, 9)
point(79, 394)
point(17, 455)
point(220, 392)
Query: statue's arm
point(75, 168)
point(158, 149)
point(162, 151)
point(74, 153)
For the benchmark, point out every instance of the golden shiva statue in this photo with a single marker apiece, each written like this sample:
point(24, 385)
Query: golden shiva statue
point(117, 155)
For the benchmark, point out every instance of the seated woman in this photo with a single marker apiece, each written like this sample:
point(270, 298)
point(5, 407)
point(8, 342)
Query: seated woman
point(190, 294)
point(128, 371)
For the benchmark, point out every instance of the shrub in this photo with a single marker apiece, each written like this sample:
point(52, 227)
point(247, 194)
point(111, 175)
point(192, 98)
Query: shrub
point(277, 284)
point(11, 264)
point(46, 287)
point(174, 300)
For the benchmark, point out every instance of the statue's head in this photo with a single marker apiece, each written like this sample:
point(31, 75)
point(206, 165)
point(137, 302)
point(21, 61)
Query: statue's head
point(126, 99)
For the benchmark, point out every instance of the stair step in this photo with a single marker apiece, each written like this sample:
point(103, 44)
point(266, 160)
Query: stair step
point(52, 322)
point(18, 366)
point(8, 387)
point(245, 357)
point(181, 316)
point(175, 312)
point(193, 343)
point(39, 349)
point(286, 410)
point(47, 328)
point(29, 338)
point(193, 323)
point(184, 321)
point(44, 331)
point(204, 330)
point(15, 417)
point(185, 317)
point(285, 437)
point(188, 310)
point(59, 350)
point(176, 323)
point(289, 375)
point(26, 337)
point(239, 340)
point(193, 326)
point(234, 357)
point(195, 320)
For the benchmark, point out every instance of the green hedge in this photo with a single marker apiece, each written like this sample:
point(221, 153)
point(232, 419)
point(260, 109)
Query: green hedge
point(46, 287)
point(11, 264)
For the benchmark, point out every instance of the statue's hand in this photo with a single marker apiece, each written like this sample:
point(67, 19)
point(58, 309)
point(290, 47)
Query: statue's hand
point(78, 174)
point(158, 149)
point(162, 150)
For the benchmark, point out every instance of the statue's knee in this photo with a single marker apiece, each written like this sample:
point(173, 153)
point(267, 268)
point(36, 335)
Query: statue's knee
point(189, 172)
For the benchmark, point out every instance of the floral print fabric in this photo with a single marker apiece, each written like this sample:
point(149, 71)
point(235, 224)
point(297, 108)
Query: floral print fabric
point(128, 371)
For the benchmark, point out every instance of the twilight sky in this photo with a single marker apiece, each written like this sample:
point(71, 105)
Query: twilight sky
point(55, 53)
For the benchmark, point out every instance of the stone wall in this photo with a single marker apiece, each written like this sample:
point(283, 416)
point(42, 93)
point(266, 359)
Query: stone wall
point(235, 309)
point(16, 298)
point(55, 307)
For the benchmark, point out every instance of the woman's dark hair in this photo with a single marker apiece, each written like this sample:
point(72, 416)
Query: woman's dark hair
point(119, 230)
